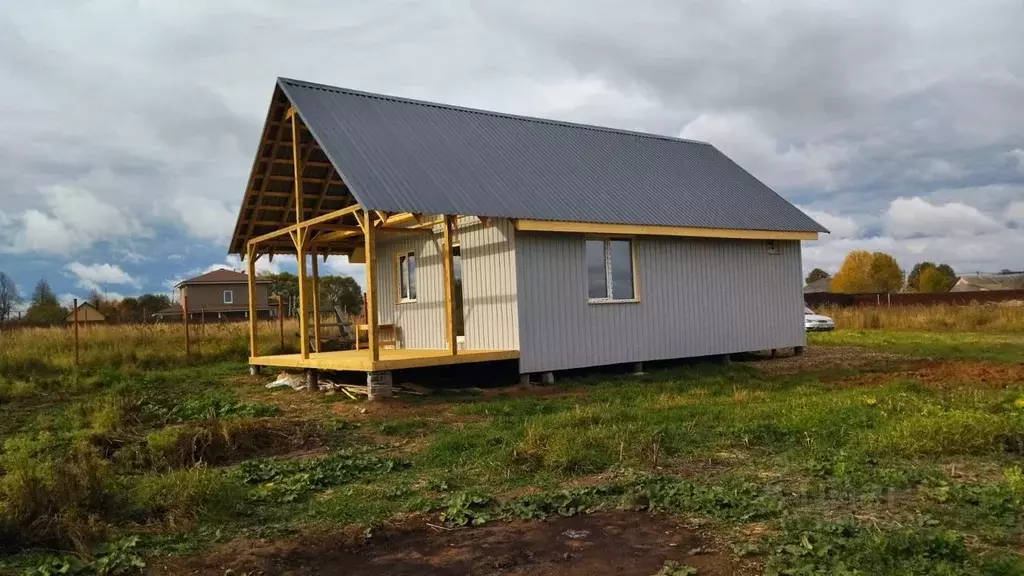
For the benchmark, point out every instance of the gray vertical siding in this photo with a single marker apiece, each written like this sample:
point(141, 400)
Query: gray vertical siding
point(698, 297)
point(489, 287)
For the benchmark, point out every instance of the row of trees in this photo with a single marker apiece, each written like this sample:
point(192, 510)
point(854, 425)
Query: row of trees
point(335, 292)
point(866, 272)
point(45, 308)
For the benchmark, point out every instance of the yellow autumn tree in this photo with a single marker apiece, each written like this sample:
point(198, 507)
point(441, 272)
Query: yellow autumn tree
point(855, 273)
point(886, 274)
point(863, 271)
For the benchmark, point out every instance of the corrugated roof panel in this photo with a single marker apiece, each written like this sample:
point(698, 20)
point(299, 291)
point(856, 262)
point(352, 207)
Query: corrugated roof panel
point(403, 155)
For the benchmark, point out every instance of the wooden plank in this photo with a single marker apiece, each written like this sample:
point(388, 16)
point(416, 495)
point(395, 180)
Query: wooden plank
point(449, 287)
point(297, 168)
point(300, 256)
point(263, 184)
point(251, 270)
point(370, 244)
point(359, 360)
point(311, 222)
point(648, 230)
point(316, 300)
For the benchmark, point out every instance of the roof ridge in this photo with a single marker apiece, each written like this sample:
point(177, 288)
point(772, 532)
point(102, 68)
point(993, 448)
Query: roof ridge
point(521, 117)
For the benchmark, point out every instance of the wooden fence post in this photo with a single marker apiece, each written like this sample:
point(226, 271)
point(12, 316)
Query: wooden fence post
point(184, 317)
point(74, 319)
point(280, 319)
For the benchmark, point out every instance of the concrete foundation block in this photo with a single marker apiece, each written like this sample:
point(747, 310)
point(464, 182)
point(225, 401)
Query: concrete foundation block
point(547, 378)
point(312, 380)
point(254, 370)
point(524, 379)
point(379, 384)
point(798, 351)
point(638, 368)
point(726, 359)
point(775, 352)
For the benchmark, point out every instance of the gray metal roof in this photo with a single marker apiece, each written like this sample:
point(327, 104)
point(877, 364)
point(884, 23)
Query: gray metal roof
point(402, 155)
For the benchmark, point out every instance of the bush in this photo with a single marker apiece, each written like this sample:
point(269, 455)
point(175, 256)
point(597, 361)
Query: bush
point(182, 496)
point(60, 503)
point(215, 442)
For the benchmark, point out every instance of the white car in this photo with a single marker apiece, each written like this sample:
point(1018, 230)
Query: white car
point(816, 322)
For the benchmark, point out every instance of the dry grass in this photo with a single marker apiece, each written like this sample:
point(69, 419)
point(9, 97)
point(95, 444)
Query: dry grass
point(945, 318)
point(35, 350)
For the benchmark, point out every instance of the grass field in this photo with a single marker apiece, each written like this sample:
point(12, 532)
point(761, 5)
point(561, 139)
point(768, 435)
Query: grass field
point(877, 452)
point(942, 318)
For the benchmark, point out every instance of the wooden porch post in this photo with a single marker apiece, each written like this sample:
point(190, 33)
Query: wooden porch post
point(251, 269)
point(316, 301)
point(299, 236)
point(370, 247)
point(449, 288)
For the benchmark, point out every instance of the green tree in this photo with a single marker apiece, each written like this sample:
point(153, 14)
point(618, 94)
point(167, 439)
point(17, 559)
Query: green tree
point(886, 274)
point(815, 275)
point(9, 297)
point(949, 274)
point(148, 304)
point(342, 292)
point(932, 281)
point(285, 285)
point(45, 309)
point(915, 274)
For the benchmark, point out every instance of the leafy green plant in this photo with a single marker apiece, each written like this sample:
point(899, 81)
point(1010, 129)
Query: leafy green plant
point(289, 480)
point(464, 508)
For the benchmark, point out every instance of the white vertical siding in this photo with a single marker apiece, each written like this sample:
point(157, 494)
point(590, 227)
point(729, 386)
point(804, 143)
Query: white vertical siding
point(488, 287)
point(698, 297)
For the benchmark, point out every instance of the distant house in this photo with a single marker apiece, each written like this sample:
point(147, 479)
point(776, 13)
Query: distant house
point(988, 282)
point(219, 295)
point(87, 314)
point(821, 285)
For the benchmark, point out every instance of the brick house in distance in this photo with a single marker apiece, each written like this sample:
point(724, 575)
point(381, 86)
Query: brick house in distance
point(219, 295)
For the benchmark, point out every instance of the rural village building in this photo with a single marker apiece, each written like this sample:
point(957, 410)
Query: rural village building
point(87, 314)
point(988, 282)
point(219, 295)
point(488, 236)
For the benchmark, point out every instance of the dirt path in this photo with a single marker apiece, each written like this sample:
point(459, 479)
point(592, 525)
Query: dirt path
point(622, 543)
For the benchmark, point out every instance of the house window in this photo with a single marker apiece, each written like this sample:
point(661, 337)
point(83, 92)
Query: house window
point(407, 277)
point(610, 270)
point(229, 297)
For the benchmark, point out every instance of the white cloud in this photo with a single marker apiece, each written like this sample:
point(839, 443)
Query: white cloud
point(95, 276)
point(74, 219)
point(838, 226)
point(778, 164)
point(1015, 213)
point(204, 218)
point(910, 217)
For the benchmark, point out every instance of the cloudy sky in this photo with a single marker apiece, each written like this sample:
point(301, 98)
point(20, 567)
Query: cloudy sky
point(129, 127)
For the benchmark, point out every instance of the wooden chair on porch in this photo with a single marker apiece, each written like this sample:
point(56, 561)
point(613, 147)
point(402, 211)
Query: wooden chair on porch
point(387, 335)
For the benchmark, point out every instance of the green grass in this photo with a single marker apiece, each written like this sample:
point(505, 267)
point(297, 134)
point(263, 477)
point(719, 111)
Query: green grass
point(995, 347)
point(895, 477)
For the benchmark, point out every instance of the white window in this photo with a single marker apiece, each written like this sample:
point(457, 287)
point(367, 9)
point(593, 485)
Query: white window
point(610, 270)
point(407, 277)
point(229, 297)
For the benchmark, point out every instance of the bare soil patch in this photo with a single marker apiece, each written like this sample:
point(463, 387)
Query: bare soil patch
point(822, 358)
point(947, 375)
point(623, 543)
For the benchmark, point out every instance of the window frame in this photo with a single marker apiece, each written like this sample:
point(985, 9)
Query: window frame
point(409, 281)
point(228, 297)
point(609, 281)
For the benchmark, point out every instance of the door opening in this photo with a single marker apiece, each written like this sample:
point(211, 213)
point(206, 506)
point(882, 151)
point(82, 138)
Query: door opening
point(460, 319)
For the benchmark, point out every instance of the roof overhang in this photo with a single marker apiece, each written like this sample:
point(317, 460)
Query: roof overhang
point(648, 230)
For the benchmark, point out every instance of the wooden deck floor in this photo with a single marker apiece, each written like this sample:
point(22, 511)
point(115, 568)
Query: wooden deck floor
point(359, 360)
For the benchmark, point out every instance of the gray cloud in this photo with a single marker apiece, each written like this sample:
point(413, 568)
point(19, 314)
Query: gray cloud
point(153, 109)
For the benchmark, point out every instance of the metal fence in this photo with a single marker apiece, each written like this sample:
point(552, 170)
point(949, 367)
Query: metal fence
point(912, 299)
